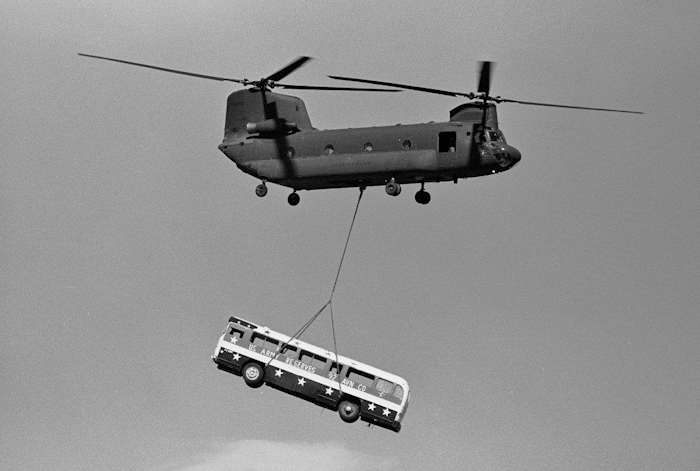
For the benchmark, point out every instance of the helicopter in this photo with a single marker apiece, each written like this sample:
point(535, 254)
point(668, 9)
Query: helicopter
point(269, 136)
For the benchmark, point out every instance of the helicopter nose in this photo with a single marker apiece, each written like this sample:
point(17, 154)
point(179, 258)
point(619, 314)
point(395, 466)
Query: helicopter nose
point(513, 154)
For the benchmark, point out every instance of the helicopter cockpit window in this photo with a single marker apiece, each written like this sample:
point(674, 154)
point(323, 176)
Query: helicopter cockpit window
point(329, 150)
point(494, 135)
point(447, 141)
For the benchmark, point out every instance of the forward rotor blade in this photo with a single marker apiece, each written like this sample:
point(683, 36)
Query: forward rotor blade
point(163, 69)
point(407, 87)
point(282, 73)
point(311, 87)
point(485, 77)
point(505, 100)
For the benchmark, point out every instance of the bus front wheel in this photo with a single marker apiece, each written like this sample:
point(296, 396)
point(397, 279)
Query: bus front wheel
point(253, 375)
point(349, 411)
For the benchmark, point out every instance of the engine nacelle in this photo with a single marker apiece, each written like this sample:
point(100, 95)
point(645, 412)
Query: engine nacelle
point(271, 126)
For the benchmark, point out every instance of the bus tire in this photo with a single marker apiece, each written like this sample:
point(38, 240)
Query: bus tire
point(349, 411)
point(253, 375)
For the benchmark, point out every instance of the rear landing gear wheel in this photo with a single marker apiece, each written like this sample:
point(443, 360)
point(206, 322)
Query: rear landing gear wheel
point(349, 411)
point(392, 188)
point(293, 199)
point(261, 190)
point(422, 197)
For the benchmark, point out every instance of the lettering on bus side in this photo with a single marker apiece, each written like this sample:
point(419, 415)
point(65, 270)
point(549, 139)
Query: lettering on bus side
point(264, 345)
point(358, 379)
point(300, 364)
point(268, 353)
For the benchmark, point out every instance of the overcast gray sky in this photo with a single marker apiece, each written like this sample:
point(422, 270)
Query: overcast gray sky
point(545, 318)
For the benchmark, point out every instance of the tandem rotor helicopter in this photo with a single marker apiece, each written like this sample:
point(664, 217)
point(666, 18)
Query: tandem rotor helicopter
point(270, 137)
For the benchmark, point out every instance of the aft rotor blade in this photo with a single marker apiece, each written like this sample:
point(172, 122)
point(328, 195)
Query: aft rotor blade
point(505, 100)
point(282, 73)
point(311, 87)
point(407, 87)
point(485, 77)
point(163, 69)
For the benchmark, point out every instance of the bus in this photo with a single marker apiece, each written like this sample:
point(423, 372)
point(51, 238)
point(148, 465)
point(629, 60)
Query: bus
point(356, 390)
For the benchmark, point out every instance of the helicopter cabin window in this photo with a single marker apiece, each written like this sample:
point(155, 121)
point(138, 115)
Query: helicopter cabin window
point(407, 144)
point(368, 147)
point(329, 150)
point(447, 141)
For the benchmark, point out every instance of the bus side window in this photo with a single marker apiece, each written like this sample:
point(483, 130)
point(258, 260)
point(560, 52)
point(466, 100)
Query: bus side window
point(312, 360)
point(398, 392)
point(334, 371)
point(289, 351)
point(264, 342)
point(233, 332)
point(384, 386)
point(361, 377)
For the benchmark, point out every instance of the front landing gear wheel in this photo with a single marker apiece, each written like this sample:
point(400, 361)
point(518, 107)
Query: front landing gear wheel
point(261, 190)
point(349, 411)
point(253, 375)
point(423, 197)
point(293, 199)
point(392, 188)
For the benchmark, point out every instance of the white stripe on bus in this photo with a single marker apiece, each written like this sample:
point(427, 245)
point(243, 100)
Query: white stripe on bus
point(314, 377)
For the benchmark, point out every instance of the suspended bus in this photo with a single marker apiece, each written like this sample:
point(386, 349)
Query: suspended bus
point(355, 390)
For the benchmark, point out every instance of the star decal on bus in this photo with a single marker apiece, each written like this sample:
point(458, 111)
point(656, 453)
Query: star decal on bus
point(236, 356)
point(301, 381)
point(371, 406)
point(386, 412)
point(329, 391)
point(234, 340)
point(278, 373)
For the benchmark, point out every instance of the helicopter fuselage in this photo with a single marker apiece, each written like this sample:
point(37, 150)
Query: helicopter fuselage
point(469, 145)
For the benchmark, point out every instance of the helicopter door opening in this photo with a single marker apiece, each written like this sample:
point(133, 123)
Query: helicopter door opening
point(447, 142)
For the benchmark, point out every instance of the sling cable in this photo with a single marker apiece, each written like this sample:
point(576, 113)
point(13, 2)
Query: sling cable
point(329, 303)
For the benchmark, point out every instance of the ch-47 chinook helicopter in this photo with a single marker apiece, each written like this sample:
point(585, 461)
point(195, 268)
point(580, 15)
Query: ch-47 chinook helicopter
point(269, 136)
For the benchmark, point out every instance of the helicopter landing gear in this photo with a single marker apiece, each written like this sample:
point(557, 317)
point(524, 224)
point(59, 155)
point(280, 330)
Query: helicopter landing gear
point(293, 199)
point(261, 190)
point(422, 197)
point(392, 188)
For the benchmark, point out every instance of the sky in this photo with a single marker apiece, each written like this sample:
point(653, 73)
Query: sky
point(545, 318)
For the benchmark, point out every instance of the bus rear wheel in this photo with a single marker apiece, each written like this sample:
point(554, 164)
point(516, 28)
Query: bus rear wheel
point(349, 411)
point(253, 375)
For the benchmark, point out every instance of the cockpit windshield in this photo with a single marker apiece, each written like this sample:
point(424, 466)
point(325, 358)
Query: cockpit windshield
point(489, 135)
point(495, 136)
